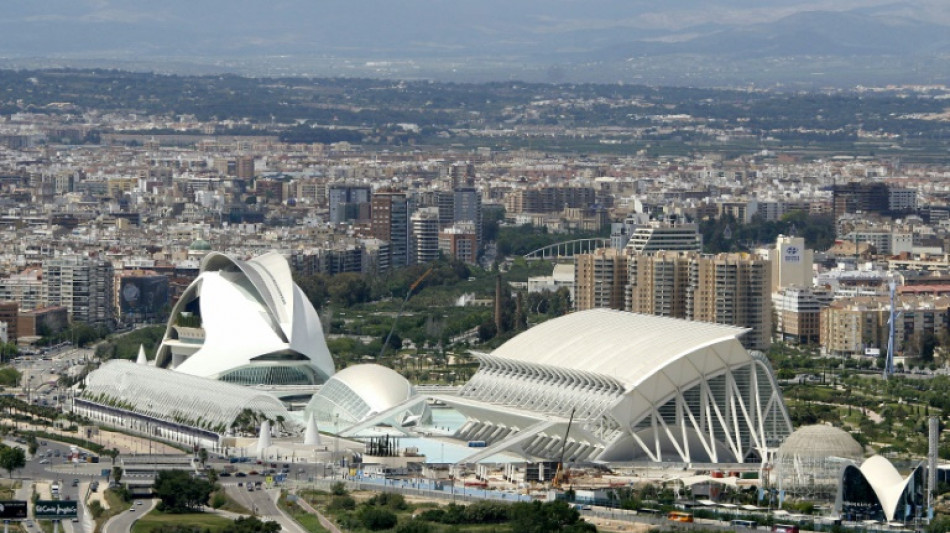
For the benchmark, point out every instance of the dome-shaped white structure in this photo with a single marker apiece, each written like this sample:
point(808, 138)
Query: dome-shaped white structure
point(810, 460)
point(362, 391)
point(246, 322)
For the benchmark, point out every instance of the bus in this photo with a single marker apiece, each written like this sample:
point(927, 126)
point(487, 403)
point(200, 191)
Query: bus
point(680, 516)
point(784, 528)
point(748, 524)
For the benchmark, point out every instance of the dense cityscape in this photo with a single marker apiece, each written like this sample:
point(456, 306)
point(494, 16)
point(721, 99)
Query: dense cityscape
point(331, 304)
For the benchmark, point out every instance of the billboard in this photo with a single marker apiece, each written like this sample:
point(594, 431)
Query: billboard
point(12, 509)
point(55, 509)
point(143, 298)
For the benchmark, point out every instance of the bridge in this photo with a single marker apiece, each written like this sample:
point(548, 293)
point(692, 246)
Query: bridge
point(568, 248)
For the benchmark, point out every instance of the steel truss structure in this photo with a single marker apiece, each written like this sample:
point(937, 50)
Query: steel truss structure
point(643, 388)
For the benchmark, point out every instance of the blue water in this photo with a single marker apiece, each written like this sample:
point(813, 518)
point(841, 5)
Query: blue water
point(437, 447)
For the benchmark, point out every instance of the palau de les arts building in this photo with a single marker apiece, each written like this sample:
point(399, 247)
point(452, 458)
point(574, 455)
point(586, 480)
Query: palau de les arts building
point(641, 388)
point(246, 322)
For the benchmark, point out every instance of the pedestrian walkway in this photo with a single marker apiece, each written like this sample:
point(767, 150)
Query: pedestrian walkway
point(326, 523)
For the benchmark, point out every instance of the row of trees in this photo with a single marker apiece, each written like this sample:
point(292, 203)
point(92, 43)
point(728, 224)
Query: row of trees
point(381, 512)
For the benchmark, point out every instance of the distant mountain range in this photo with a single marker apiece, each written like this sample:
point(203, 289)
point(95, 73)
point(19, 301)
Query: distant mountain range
point(573, 40)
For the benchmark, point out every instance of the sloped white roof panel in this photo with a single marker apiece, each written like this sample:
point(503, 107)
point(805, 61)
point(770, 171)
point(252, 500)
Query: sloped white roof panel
point(248, 309)
point(380, 387)
point(887, 482)
point(236, 329)
point(626, 346)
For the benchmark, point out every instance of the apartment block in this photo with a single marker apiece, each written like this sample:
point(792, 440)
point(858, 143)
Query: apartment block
point(84, 286)
point(599, 279)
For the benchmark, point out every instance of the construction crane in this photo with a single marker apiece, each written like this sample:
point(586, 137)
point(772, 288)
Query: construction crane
point(561, 474)
point(413, 287)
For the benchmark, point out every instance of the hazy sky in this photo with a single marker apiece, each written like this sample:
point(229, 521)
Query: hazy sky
point(514, 32)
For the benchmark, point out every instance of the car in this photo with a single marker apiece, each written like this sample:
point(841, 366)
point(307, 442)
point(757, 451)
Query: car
point(224, 474)
point(250, 488)
point(240, 483)
point(131, 509)
point(44, 461)
point(138, 502)
point(240, 474)
point(75, 520)
point(253, 473)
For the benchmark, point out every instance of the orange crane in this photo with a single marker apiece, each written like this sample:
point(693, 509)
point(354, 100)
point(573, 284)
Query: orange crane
point(561, 475)
point(413, 287)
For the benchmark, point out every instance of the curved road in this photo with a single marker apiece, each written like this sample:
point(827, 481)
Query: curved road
point(122, 522)
point(263, 503)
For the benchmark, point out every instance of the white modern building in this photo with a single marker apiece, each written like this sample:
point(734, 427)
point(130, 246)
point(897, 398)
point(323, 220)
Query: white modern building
point(877, 491)
point(359, 392)
point(172, 406)
point(656, 236)
point(246, 322)
point(792, 263)
point(639, 387)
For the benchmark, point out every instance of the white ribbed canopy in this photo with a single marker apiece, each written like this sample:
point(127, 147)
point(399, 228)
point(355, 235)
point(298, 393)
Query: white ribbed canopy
point(173, 396)
point(627, 347)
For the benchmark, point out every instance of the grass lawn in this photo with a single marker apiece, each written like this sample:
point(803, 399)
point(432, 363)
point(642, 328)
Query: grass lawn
point(116, 505)
point(155, 519)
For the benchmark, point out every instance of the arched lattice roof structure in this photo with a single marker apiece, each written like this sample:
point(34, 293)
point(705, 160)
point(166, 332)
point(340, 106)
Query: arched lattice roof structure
point(641, 387)
point(361, 391)
point(810, 460)
point(246, 322)
point(166, 395)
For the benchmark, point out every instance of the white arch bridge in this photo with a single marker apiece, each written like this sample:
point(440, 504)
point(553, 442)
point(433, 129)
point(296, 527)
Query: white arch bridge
point(568, 248)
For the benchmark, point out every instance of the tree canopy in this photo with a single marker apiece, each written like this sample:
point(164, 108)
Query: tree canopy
point(181, 493)
point(12, 459)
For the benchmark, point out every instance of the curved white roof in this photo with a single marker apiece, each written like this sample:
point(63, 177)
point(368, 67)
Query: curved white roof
point(248, 309)
point(628, 347)
point(887, 482)
point(363, 390)
point(172, 396)
point(820, 441)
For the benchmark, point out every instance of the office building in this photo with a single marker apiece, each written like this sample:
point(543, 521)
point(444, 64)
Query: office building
point(660, 236)
point(798, 313)
point(348, 202)
point(459, 242)
point(467, 208)
point(425, 235)
point(390, 222)
point(9, 315)
point(26, 288)
point(792, 263)
point(84, 286)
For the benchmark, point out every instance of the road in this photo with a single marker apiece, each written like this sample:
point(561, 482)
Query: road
point(264, 504)
point(122, 522)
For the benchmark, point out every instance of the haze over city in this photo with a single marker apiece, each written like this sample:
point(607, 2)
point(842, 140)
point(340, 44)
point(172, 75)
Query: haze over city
point(716, 43)
point(434, 266)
